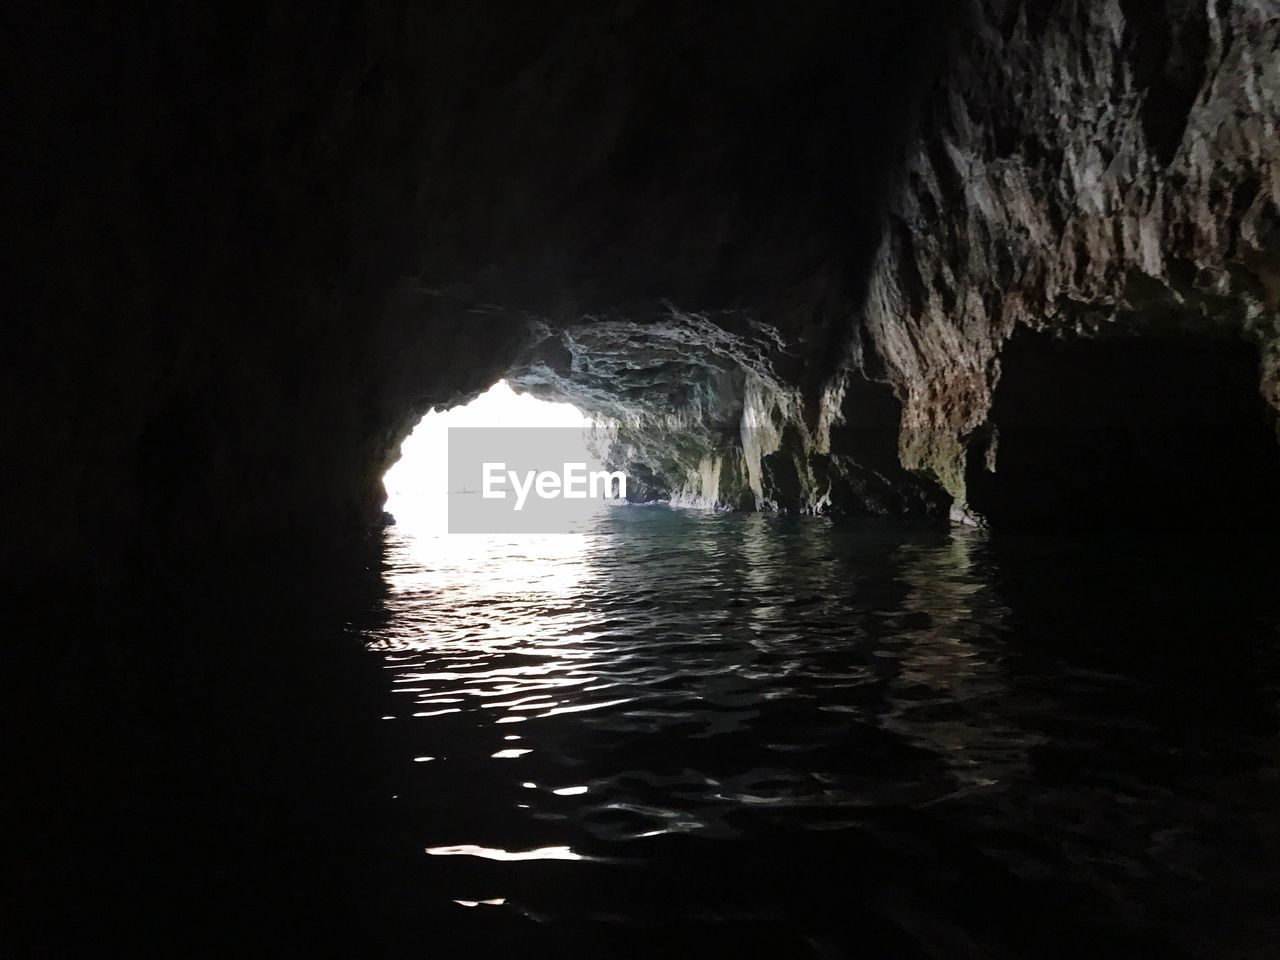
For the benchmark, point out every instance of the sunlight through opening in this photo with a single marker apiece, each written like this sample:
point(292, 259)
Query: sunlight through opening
point(417, 485)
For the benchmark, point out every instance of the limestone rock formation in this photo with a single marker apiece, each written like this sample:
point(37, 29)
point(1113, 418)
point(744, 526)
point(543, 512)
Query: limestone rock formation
point(1081, 167)
point(1088, 167)
point(782, 250)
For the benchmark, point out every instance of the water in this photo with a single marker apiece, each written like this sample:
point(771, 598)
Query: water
point(690, 733)
point(683, 735)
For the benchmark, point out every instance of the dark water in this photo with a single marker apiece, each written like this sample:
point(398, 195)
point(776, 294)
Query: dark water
point(707, 734)
point(684, 735)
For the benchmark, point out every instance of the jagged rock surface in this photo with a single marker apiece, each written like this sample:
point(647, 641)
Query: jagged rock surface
point(1081, 166)
point(1087, 165)
point(782, 249)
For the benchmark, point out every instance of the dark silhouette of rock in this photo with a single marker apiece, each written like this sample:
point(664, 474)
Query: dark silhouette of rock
point(782, 247)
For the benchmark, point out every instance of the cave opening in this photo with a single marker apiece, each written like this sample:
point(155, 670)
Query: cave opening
point(1122, 434)
point(417, 483)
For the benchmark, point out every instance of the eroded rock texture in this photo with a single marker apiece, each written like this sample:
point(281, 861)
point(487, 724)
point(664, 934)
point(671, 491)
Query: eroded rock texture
point(1089, 167)
point(781, 248)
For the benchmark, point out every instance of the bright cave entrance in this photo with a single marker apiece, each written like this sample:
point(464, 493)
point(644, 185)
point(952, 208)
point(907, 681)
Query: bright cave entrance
point(417, 484)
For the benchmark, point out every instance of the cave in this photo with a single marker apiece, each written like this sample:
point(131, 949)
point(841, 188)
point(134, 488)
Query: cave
point(1124, 434)
point(937, 343)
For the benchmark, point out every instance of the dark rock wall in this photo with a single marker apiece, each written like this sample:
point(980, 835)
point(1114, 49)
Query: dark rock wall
point(781, 248)
point(1087, 165)
point(1077, 166)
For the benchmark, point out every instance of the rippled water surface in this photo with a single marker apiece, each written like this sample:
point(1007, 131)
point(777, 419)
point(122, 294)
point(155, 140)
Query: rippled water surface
point(709, 734)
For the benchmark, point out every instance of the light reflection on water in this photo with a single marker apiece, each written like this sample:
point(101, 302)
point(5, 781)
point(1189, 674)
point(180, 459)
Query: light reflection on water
point(709, 713)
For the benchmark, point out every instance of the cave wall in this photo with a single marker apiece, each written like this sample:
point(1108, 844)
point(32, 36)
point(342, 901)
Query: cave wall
point(780, 248)
point(1086, 166)
point(1080, 166)
point(256, 247)
point(214, 335)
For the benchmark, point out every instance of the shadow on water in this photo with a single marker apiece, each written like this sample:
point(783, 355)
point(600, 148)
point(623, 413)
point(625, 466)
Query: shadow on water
point(680, 734)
